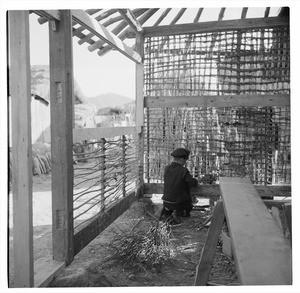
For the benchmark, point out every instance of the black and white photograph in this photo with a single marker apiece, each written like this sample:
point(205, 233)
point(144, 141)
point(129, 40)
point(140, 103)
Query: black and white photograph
point(149, 145)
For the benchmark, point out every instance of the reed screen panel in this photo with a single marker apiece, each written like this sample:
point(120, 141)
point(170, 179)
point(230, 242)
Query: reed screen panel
point(232, 141)
point(105, 171)
point(252, 61)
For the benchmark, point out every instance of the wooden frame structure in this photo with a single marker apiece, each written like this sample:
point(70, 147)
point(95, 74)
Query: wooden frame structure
point(63, 25)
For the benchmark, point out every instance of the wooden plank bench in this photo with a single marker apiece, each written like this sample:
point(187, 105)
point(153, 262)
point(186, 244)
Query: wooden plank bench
point(261, 252)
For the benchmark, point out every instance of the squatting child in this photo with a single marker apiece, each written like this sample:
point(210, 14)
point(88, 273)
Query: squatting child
point(177, 200)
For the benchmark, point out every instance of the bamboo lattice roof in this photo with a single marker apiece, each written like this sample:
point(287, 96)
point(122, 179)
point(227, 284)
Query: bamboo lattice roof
point(122, 25)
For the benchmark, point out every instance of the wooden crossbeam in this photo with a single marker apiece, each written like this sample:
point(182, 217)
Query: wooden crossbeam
point(261, 252)
point(215, 26)
point(218, 101)
point(131, 20)
point(100, 31)
point(80, 134)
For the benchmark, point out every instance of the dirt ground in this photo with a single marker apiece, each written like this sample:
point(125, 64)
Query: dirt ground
point(94, 265)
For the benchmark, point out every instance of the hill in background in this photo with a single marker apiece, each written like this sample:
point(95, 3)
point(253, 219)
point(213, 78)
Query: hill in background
point(109, 100)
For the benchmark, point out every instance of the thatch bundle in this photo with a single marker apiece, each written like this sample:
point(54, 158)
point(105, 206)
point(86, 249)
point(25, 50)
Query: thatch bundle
point(143, 249)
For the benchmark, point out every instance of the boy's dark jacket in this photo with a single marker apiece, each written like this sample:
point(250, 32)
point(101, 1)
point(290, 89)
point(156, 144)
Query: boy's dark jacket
point(177, 183)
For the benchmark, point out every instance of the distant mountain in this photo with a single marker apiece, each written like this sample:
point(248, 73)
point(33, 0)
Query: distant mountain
point(109, 100)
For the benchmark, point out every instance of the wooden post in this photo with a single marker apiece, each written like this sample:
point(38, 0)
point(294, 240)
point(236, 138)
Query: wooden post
point(139, 112)
point(20, 90)
point(61, 94)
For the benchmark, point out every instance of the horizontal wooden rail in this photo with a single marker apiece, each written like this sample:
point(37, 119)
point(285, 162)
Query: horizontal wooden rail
point(215, 26)
point(261, 252)
point(92, 25)
point(218, 101)
point(214, 190)
point(80, 134)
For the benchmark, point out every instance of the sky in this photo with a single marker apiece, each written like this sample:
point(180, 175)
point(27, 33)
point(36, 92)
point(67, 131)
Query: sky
point(112, 73)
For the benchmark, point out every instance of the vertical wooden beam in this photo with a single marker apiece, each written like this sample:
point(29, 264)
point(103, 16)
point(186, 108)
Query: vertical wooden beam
point(139, 89)
point(21, 148)
point(210, 246)
point(61, 93)
point(139, 106)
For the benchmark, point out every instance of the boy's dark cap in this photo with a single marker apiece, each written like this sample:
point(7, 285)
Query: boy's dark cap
point(181, 153)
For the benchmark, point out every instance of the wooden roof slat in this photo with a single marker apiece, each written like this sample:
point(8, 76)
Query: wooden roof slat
point(136, 12)
point(178, 16)
point(47, 15)
point(131, 20)
point(112, 20)
point(100, 31)
point(214, 26)
point(221, 14)
point(163, 15)
point(92, 11)
point(244, 12)
point(147, 15)
point(198, 15)
point(267, 12)
point(115, 31)
point(142, 20)
point(82, 36)
point(98, 18)
point(105, 14)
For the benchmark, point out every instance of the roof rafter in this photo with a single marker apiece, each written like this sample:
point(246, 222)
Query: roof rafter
point(197, 17)
point(122, 36)
point(131, 20)
point(163, 15)
point(177, 17)
point(81, 17)
point(98, 44)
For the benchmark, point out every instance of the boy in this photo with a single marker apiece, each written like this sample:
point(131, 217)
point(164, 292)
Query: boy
point(177, 183)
